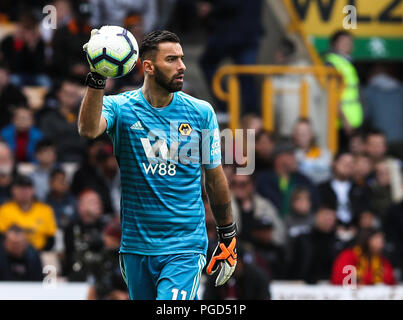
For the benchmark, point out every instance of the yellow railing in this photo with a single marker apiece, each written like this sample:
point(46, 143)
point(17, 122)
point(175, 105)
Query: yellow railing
point(327, 75)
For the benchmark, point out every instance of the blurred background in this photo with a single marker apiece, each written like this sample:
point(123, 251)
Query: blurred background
point(320, 82)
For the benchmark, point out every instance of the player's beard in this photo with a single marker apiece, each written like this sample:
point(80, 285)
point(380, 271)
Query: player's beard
point(168, 84)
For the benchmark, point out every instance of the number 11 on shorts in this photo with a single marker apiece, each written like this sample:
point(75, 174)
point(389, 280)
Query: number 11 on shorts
point(175, 294)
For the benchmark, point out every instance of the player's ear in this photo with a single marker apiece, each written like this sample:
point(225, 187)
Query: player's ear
point(148, 66)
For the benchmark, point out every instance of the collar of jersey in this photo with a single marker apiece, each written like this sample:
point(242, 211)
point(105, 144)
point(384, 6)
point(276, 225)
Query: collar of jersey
point(154, 109)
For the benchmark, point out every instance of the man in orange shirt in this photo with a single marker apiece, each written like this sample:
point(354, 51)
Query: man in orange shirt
point(35, 217)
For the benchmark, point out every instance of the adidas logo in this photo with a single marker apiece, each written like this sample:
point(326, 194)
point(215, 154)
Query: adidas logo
point(137, 126)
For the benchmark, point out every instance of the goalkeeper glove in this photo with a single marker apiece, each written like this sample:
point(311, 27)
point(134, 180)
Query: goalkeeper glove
point(224, 256)
point(94, 79)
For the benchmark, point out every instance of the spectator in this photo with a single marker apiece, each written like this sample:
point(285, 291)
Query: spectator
point(371, 265)
point(264, 146)
point(362, 170)
point(60, 124)
point(108, 283)
point(7, 168)
point(311, 255)
point(313, 161)
point(350, 113)
point(24, 52)
point(356, 144)
point(367, 219)
point(89, 175)
point(19, 261)
point(104, 12)
point(384, 101)
point(300, 218)
point(376, 147)
point(67, 43)
point(60, 199)
point(10, 96)
point(381, 190)
point(83, 238)
point(248, 206)
point(268, 254)
point(35, 217)
point(248, 282)
point(341, 192)
point(21, 135)
point(235, 29)
point(278, 184)
point(110, 174)
point(45, 156)
point(63, 17)
point(393, 227)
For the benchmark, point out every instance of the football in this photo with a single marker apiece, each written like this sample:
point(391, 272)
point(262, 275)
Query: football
point(112, 51)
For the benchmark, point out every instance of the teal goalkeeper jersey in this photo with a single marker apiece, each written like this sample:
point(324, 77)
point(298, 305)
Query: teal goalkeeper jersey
point(160, 152)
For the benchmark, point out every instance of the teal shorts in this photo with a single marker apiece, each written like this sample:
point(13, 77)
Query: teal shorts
point(164, 277)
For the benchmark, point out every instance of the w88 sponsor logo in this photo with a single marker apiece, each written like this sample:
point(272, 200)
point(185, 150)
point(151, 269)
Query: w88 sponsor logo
point(161, 169)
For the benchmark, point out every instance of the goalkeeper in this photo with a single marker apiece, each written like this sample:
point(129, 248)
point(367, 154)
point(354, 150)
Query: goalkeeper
point(164, 241)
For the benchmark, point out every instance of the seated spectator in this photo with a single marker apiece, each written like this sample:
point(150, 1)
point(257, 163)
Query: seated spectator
point(60, 124)
point(310, 255)
point(268, 254)
point(83, 238)
point(368, 219)
point(7, 168)
point(104, 13)
point(371, 266)
point(248, 282)
point(21, 135)
point(341, 192)
point(110, 174)
point(248, 206)
point(24, 52)
point(313, 161)
point(68, 40)
point(19, 261)
point(10, 96)
point(278, 184)
point(107, 282)
point(393, 227)
point(376, 147)
point(356, 143)
point(300, 218)
point(60, 199)
point(264, 146)
point(45, 156)
point(384, 100)
point(362, 170)
point(381, 188)
point(35, 217)
point(90, 175)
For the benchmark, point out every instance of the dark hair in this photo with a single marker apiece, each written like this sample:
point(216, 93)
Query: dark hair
point(340, 154)
point(56, 171)
point(340, 33)
point(44, 143)
point(153, 39)
point(374, 132)
point(363, 237)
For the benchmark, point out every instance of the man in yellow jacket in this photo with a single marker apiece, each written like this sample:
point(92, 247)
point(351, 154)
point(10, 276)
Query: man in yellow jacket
point(351, 113)
point(36, 218)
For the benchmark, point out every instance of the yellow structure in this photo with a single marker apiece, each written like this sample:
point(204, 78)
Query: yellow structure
point(327, 75)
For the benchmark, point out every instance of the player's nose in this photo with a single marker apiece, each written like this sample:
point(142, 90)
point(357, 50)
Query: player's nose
point(182, 66)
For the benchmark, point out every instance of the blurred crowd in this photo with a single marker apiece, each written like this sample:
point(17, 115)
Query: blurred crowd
point(303, 215)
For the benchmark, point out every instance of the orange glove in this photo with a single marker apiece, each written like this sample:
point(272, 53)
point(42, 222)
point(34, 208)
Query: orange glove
point(224, 256)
